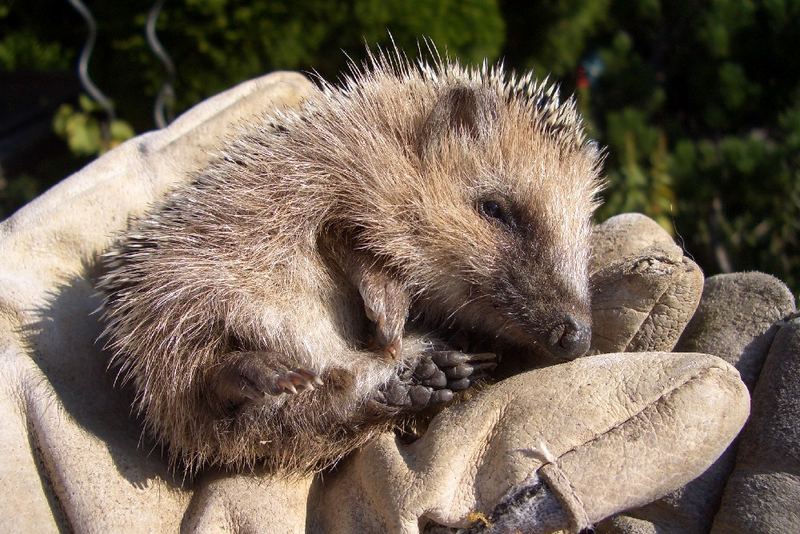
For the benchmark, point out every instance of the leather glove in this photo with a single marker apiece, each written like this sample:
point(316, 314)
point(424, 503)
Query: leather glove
point(559, 447)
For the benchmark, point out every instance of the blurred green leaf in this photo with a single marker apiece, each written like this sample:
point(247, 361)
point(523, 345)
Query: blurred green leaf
point(86, 131)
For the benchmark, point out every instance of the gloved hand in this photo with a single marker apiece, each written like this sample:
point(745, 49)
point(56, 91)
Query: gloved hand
point(560, 447)
point(737, 319)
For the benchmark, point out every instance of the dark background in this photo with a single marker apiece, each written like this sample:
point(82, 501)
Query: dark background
point(698, 102)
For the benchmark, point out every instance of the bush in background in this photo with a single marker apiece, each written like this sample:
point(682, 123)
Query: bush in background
point(698, 103)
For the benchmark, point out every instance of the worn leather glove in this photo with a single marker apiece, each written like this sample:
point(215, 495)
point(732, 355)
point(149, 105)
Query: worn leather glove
point(559, 447)
point(737, 320)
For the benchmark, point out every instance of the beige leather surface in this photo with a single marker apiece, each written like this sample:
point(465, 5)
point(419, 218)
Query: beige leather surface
point(763, 492)
point(623, 428)
point(625, 235)
point(644, 290)
point(597, 436)
point(736, 320)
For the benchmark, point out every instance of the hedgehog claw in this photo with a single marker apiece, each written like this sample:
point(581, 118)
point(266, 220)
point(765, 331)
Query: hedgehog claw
point(285, 386)
point(449, 358)
point(251, 376)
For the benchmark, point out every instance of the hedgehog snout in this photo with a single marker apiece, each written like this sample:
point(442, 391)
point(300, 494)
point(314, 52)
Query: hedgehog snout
point(570, 338)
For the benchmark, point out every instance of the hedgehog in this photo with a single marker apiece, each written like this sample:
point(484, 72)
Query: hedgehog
point(284, 305)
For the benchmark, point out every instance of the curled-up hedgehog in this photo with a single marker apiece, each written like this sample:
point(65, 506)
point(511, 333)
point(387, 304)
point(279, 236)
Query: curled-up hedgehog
point(260, 311)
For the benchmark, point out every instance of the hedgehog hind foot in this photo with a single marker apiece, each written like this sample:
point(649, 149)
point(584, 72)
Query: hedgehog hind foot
point(433, 381)
point(250, 376)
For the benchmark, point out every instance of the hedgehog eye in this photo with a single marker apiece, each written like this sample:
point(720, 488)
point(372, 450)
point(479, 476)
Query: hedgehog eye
point(492, 209)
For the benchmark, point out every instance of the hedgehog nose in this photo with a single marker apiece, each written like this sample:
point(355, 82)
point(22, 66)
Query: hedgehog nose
point(570, 339)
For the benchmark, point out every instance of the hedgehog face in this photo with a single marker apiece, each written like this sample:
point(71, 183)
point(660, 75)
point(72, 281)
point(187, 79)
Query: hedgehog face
point(505, 223)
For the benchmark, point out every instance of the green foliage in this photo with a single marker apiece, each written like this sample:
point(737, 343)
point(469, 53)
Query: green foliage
point(697, 102)
point(86, 131)
point(217, 43)
point(25, 46)
point(23, 186)
point(643, 168)
point(699, 105)
point(24, 49)
point(550, 36)
point(214, 44)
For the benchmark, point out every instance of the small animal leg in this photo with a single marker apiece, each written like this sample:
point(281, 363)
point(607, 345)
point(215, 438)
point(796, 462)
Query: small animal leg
point(386, 301)
point(250, 376)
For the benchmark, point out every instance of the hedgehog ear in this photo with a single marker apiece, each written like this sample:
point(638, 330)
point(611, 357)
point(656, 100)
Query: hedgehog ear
point(460, 110)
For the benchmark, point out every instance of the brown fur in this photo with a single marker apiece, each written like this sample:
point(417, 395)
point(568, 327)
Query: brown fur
point(385, 172)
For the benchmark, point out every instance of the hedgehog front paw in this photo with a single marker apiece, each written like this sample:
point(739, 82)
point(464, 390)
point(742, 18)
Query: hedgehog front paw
point(250, 376)
point(435, 378)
